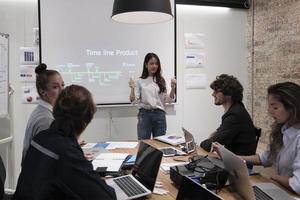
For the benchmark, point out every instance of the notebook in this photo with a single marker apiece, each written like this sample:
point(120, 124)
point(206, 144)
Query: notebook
point(239, 180)
point(190, 190)
point(142, 180)
point(171, 139)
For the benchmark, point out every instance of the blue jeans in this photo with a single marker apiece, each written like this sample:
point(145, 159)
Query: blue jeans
point(151, 121)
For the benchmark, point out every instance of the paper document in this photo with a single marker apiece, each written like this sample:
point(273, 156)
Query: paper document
point(195, 81)
point(88, 145)
point(112, 156)
point(111, 145)
point(114, 145)
point(95, 145)
point(94, 151)
point(193, 59)
point(112, 165)
point(194, 40)
point(160, 191)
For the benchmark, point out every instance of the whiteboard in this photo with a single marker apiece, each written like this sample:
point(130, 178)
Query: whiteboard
point(3, 74)
point(81, 41)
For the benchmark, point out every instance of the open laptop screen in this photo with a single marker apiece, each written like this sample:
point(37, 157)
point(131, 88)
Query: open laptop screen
point(238, 173)
point(190, 190)
point(147, 164)
point(189, 141)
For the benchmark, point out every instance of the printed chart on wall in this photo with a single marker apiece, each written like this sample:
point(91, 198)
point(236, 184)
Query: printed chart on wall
point(88, 48)
point(3, 75)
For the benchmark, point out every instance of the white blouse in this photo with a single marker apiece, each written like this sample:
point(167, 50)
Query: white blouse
point(148, 96)
point(287, 162)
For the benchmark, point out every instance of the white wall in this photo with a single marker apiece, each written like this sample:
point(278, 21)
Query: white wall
point(225, 53)
point(17, 19)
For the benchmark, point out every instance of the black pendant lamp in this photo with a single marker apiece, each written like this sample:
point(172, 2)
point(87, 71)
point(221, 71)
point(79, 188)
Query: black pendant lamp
point(141, 11)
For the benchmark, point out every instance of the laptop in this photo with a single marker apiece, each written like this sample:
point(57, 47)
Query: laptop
point(173, 140)
point(142, 180)
point(190, 190)
point(190, 145)
point(239, 180)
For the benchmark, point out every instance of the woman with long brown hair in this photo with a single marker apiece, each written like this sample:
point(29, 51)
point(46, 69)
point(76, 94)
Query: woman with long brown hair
point(284, 149)
point(150, 93)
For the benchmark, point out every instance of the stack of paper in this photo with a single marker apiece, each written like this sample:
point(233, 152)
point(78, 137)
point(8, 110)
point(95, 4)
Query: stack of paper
point(110, 145)
point(112, 156)
point(158, 189)
point(114, 145)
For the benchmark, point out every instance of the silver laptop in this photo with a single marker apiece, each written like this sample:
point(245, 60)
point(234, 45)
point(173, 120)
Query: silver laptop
point(142, 180)
point(239, 180)
point(190, 145)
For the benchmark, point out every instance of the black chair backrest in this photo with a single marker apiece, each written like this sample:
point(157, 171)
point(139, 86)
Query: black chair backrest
point(2, 178)
point(257, 136)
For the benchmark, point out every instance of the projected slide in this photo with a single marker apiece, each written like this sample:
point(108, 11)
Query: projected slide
point(79, 39)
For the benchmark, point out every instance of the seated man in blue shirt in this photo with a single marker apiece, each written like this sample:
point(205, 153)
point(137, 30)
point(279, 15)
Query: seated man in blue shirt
point(236, 131)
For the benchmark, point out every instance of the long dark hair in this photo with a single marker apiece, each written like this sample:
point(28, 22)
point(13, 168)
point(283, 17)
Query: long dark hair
point(73, 110)
point(43, 76)
point(288, 94)
point(160, 81)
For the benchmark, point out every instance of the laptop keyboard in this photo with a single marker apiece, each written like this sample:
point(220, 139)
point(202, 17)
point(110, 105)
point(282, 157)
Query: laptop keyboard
point(260, 195)
point(129, 186)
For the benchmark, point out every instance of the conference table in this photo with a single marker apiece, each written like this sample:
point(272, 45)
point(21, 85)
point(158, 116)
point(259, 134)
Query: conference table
point(168, 184)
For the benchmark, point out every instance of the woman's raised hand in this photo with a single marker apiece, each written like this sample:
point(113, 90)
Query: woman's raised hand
point(173, 83)
point(131, 83)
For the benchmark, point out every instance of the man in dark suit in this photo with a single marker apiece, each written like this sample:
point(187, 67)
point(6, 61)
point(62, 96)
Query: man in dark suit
point(236, 131)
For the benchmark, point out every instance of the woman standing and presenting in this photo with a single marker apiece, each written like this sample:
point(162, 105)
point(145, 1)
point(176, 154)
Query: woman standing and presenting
point(150, 93)
point(49, 84)
point(283, 151)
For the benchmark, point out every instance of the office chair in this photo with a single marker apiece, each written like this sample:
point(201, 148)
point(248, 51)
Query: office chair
point(3, 194)
point(257, 136)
